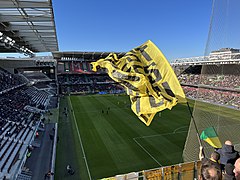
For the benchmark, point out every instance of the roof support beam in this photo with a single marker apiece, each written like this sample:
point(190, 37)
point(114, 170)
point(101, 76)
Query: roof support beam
point(24, 4)
point(27, 27)
point(19, 18)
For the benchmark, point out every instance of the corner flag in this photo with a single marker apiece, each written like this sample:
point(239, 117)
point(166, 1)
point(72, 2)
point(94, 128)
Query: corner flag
point(210, 136)
point(148, 79)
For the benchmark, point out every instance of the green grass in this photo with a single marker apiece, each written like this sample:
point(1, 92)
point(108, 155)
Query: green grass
point(117, 142)
point(99, 145)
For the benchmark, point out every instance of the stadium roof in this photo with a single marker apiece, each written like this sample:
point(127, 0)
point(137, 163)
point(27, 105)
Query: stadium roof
point(28, 23)
point(83, 55)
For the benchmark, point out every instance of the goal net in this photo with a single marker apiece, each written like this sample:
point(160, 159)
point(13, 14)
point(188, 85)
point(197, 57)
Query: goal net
point(216, 91)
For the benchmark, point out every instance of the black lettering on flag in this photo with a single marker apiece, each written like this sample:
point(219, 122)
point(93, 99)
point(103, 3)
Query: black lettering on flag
point(133, 78)
point(123, 77)
point(129, 59)
point(133, 57)
point(134, 98)
point(144, 117)
point(157, 75)
point(144, 53)
point(156, 89)
point(151, 80)
point(124, 66)
point(130, 86)
point(146, 70)
point(168, 89)
point(167, 99)
point(152, 64)
point(153, 102)
point(128, 70)
point(137, 68)
point(138, 104)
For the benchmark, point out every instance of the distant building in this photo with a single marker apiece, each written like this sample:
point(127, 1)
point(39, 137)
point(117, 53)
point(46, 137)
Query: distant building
point(224, 54)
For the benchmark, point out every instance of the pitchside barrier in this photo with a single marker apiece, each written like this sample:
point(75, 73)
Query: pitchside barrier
point(183, 171)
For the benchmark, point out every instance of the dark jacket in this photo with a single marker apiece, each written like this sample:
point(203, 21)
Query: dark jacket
point(229, 174)
point(227, 154)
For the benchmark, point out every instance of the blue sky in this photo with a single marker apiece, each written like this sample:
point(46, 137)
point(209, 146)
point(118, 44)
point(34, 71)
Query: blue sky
point(178, 28)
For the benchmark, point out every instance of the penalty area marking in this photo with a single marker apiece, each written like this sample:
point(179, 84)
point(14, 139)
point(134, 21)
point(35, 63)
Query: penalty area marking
point(182, 127)
point(147, 152)
point(174, 132)
point(142, 137)
point(80, 140)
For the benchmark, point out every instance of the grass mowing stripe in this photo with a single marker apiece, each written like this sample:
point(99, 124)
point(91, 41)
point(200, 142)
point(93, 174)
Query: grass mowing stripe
point(99, 159)
point(68, 147)
point(80, 140)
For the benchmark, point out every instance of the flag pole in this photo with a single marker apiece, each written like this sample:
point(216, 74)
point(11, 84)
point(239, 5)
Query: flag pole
point(194, 122)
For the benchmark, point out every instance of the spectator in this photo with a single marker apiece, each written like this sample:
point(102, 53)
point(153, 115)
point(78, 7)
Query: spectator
point(227, 154)
point(210, 172)
point(213, 160)
point(229, 174)
point(237, 169)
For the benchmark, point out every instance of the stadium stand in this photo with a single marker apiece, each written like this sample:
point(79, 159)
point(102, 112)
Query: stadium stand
point(76, 77)
point(213, 86)
point(18, 124)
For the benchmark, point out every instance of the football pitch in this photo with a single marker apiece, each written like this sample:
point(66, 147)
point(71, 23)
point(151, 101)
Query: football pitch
point(102, 137)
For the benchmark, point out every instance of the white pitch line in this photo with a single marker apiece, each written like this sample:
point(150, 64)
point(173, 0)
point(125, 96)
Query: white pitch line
point(178, 129)
point(159, 135)
point(174, 132)
point(147, 152)
point(80, 140)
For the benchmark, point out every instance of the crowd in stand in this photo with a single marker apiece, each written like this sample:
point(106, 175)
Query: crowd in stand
point(216, 80)
point(224, 163)
point(8, 80)
point(17, 123)
point(92, 88)
point(226, 98)
point(83, 79)
point(80, 83)
point(12, 102)
point(74, 89)
point(11, 106)
point(218, 89)
point(97, 79)
point(71, 79)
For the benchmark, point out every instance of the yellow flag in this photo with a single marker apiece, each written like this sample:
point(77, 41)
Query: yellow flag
point(148, 78)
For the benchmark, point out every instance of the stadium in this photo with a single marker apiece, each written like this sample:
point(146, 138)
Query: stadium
point(60, 119)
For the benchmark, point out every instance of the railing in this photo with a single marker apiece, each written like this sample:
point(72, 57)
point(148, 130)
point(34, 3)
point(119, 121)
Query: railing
point(182, 171)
